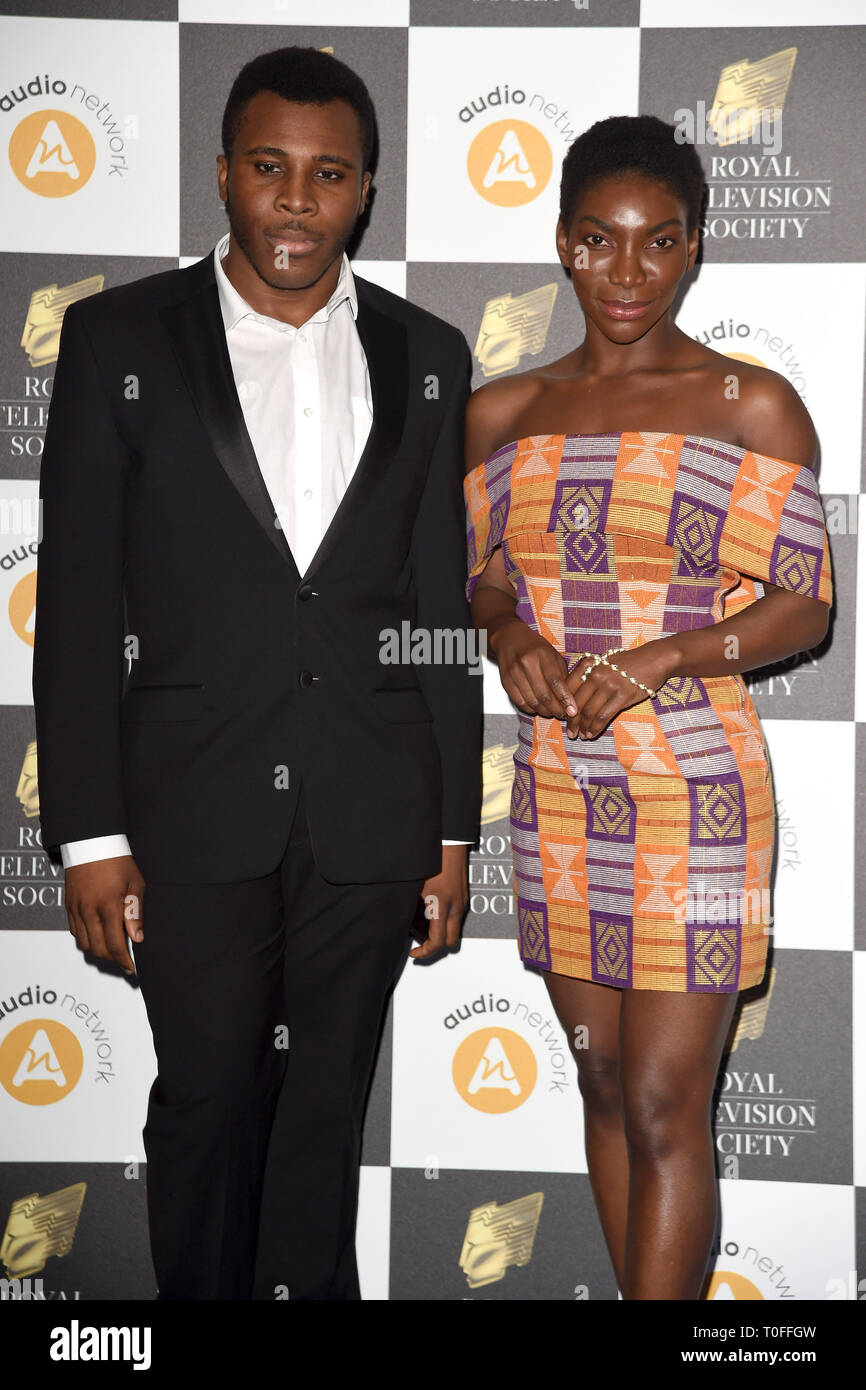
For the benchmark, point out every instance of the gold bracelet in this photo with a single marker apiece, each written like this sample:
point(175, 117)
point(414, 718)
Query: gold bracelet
point(603, 660)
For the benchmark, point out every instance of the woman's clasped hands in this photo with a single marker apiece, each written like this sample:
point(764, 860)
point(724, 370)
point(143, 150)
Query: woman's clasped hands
point(536, 677)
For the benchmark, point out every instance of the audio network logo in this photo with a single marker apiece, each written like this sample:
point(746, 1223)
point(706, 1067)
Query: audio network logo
point(509, 163)
point(22, 600)
point(758, 344)
point(42, 1058)
point(52, 151)
point(495, 1068)
point(510, 160)
point(41, 1061)
point(747, 1273)
point(724, 1284)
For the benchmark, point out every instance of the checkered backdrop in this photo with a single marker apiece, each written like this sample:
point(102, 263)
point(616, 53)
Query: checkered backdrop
point(136, 103)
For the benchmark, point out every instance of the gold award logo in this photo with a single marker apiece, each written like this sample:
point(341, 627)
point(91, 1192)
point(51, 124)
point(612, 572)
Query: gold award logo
point(497, 774)
point(511, 325)
point(745, 90)
point(27, 790)
point(752, 1018)
point(41, 1061)
point(498, 1237)
point(494, 1070)
point(52, 153)
point(39, 1227)
point(41, 336)
point(509, 163)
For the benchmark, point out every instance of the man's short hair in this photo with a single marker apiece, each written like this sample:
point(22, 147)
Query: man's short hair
point(304, 75)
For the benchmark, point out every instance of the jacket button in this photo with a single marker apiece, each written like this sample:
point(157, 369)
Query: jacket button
point(306, 678)
point(306, 591)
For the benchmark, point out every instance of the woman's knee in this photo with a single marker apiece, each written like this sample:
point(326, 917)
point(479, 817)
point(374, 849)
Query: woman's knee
point(599, 1081)
point(665, 1114)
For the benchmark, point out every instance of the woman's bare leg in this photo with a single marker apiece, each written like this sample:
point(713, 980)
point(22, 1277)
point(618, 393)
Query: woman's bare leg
point(584, 1005)
point(670, 1049)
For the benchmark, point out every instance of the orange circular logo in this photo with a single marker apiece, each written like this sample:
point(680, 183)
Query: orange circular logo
point(745, 357)
point(22, 605)
point(725, 1284)
point(40, 1061)
point(52, 153)
point(494, 1070)
point(509, 163)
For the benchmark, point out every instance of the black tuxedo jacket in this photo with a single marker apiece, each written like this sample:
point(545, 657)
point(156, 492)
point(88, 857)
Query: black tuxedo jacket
point(185, 674)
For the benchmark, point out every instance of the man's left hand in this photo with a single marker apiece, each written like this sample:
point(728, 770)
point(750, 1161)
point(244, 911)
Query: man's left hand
point(446, 897)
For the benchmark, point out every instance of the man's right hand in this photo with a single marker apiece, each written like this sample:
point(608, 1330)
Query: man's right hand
point(104, 905)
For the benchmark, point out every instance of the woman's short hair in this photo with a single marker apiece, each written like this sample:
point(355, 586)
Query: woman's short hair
point(644, 145)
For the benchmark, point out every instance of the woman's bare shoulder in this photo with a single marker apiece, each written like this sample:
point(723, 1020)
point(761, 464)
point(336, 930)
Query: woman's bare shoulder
point(491, 412)
point(773, 420)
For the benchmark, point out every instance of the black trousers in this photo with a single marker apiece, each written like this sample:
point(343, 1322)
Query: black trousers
point(252, 1146)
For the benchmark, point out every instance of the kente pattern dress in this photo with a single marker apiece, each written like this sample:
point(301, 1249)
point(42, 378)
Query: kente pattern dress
point(642, 858)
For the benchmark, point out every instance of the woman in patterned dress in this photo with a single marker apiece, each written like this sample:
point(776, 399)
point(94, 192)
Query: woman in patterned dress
point(650, 499)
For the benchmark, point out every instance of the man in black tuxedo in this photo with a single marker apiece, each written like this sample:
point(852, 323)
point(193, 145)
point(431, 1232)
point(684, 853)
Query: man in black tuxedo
point(252, 469)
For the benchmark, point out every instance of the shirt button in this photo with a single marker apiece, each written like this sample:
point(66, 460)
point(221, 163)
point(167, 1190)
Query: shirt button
point(308, 410)
point(302, 337)
point(308, 494)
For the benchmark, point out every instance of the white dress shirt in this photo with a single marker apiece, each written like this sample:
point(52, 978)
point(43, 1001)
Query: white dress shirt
point(308, 407)
point(308, 445)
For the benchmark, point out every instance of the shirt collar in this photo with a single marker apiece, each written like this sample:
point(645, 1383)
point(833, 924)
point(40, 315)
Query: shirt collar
point(235, 307)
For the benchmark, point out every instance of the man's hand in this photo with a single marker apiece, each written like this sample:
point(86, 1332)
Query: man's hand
point(446, 897)
point(104, 905)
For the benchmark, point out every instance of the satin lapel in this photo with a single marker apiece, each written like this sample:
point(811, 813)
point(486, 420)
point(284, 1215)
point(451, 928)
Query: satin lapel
point(385, 345)
point(197, 332)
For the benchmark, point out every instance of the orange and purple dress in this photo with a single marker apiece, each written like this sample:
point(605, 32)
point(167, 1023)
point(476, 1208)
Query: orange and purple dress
point(642, 858)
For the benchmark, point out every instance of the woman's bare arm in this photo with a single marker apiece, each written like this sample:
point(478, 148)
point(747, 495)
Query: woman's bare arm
point(531, 670)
